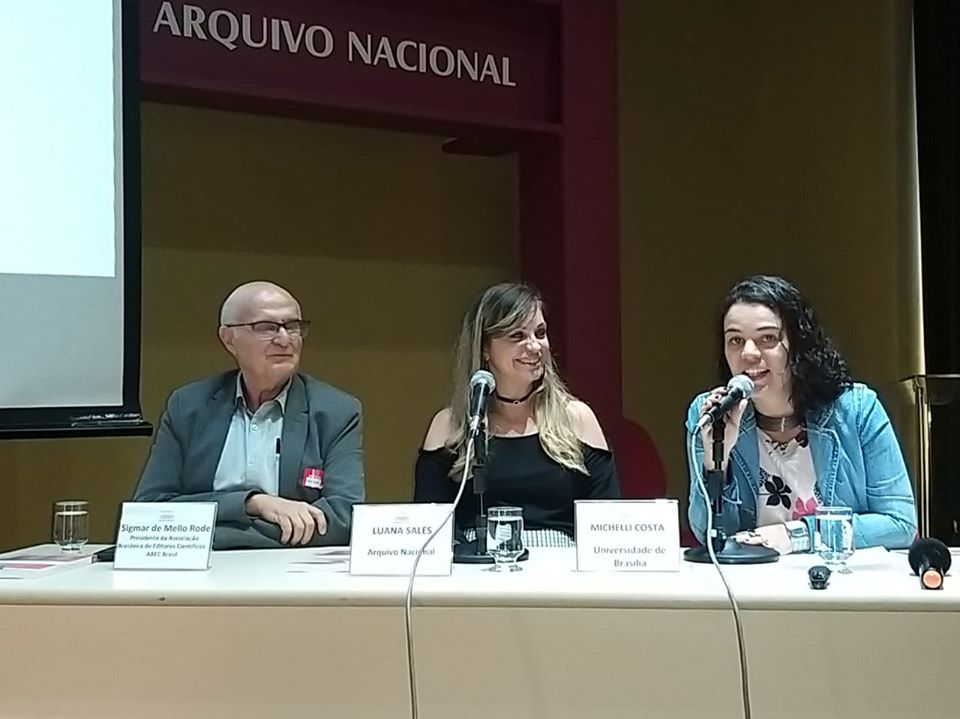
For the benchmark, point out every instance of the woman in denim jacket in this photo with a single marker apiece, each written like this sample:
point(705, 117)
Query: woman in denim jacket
point(809, 436)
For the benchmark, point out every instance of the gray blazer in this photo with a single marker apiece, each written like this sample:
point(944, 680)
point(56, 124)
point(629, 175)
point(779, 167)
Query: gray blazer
point(322, 428)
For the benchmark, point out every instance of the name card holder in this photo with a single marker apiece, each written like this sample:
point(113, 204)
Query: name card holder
point(165, 535)
point(385, 538)
point(630, 535)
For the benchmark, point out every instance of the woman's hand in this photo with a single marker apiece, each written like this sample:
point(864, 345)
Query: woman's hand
point(731, 428)
point(773, 535)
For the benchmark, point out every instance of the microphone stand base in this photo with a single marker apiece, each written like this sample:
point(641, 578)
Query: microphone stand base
point(733, 553)
point(466, 553)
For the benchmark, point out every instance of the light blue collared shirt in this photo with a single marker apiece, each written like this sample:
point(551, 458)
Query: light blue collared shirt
point(251, 453)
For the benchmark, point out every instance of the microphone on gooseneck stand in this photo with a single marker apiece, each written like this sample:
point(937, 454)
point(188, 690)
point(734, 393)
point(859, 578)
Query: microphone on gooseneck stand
point(930, 560)
point(482, 385)
point(739, 387)
point(726, 549)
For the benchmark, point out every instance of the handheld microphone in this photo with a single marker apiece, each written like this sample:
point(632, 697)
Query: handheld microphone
point(738, 388)
point(930, 560)
point(482, 385)
point(819, 576)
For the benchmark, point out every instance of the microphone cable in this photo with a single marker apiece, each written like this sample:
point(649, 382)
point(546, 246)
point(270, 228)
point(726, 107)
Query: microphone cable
point(407, 614)
point(741, 646)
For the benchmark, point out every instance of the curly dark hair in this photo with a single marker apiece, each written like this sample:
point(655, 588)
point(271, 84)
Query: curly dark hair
point(819, 374)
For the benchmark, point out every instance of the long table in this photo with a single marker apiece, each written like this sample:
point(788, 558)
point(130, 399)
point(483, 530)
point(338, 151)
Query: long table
point(289, 633)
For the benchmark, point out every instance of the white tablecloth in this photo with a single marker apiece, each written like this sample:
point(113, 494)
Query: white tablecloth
point(291, 633)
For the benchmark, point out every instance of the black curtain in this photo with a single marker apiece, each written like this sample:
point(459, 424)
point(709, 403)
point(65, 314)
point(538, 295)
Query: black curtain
point(937, 67)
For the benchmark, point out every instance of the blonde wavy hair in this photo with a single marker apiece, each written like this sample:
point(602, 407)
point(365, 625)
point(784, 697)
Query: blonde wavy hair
point(497, 312)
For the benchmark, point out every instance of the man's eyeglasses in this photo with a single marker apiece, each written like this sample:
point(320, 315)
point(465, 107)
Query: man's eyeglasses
point(266, 329)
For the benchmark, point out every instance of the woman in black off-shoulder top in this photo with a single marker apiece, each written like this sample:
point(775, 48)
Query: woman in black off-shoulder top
point(544, 448)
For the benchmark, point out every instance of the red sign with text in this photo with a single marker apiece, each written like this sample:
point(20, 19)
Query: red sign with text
point(483, 62)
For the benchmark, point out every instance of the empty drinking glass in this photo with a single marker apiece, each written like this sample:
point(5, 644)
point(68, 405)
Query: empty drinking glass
point(70, 525)
point(505, 537)
point(835, 537)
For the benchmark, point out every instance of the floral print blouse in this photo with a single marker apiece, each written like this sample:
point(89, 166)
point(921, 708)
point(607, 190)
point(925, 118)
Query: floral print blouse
point(788, 483)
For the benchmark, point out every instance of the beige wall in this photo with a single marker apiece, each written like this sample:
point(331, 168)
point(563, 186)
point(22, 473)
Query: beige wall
point(375, 232)
point(761, 136)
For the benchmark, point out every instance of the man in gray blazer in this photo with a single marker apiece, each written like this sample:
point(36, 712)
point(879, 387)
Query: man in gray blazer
point(280, 452)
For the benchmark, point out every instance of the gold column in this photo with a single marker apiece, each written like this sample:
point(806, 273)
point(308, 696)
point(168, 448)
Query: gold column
point(918, 383)
point(928, 390)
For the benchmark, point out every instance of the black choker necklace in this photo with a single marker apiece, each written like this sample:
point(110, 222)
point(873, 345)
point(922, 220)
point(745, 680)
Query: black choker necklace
point(507, 400)
point(777, 424)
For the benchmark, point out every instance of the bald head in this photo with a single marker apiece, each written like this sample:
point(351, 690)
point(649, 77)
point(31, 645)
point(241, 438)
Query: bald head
point(245, 300)
point(266, 355)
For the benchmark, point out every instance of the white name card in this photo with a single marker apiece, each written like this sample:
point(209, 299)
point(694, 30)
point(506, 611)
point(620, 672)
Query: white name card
point(165, 535)
point(641, 535)
point(385, 538)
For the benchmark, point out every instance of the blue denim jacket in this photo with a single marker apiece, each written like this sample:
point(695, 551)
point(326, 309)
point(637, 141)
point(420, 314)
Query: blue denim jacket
point(857, 460)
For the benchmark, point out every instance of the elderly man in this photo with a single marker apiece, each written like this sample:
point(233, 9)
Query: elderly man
point(279, 451)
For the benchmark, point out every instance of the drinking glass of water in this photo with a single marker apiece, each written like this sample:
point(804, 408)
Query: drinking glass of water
point(71, 525)
point(835, 537)
point(505, 537)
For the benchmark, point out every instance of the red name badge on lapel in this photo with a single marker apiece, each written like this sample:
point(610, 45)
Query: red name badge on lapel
point(312, 478)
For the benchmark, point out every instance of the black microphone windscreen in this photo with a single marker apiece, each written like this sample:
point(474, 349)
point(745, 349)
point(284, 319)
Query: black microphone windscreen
point(931, 552)
point(819, 576)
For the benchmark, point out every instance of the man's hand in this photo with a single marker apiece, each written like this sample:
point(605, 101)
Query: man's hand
point(297, 520)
